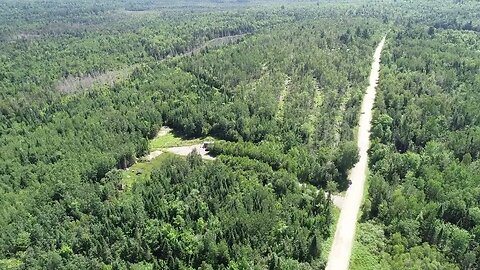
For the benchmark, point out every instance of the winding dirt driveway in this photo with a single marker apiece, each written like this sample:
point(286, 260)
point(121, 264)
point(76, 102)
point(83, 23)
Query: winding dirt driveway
point(339, 257)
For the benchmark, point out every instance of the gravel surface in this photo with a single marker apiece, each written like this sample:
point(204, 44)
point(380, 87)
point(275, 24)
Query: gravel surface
point(185, 150)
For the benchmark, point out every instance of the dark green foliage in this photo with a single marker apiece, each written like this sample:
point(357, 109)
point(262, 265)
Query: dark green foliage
point(424, 157)
point(196, 204)
point(85, 87)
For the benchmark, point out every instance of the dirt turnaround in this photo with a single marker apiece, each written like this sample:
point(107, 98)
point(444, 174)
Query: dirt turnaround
point(339, 257)
point(185, 150)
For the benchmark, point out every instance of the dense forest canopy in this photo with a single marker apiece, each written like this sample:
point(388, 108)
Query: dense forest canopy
point(424, 188)
point(85, 85)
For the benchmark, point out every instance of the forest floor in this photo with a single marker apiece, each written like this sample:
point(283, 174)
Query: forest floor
point(341, 250)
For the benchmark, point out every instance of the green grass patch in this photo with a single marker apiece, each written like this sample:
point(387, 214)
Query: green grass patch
point(10, 264)
point(366, 185)
point(369, 240)
point(172, 140)
point(368, 247)
point(327, 244)
point(317, 100)
point(142, 170)
point(363, 259)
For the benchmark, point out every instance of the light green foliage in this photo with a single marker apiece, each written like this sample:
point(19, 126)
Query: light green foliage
point(70, 195)
point(369, 246)
point(74, 191)
point(11, 264)
point(327, 244)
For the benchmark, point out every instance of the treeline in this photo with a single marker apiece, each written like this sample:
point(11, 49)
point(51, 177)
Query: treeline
point(424, 158)
point(468, 26)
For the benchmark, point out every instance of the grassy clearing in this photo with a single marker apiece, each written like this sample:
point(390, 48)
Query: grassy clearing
point(142, 170)
point(172, 140)
point(327, 245)
point(317, 103)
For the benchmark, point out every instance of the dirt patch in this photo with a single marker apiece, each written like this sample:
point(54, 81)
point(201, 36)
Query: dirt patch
point(185, 150)
point(163, 131)
point(152, 155)
point(337, 200)
point(73, 84)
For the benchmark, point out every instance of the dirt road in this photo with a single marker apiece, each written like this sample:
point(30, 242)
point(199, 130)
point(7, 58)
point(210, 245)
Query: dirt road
point(339, 257)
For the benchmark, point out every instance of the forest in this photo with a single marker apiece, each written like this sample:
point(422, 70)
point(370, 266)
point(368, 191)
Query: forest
point(424, 196)
point(85, 87)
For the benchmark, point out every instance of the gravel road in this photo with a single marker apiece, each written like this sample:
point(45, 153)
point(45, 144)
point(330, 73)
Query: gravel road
point(339, 257)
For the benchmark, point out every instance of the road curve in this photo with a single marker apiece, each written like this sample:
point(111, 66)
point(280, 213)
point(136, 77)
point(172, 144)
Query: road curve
point(339, 257)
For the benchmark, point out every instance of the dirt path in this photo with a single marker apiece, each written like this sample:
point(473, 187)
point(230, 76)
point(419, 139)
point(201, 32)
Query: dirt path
point(281, 100)
point(339, 257)
point(163, 131)
point(152, 155)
